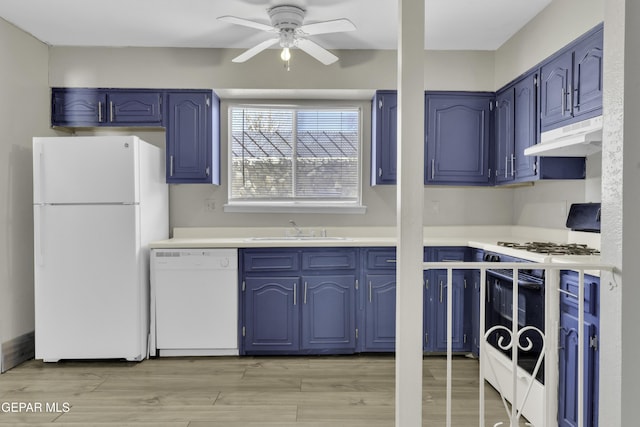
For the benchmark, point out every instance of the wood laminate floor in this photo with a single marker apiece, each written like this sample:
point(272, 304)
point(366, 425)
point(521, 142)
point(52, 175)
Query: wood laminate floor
point(322, 391)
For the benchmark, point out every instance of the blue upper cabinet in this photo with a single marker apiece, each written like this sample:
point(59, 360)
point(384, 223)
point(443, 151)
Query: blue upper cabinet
point(571, 82)
point(516, 118)
point(192, 154)
point(191, 119)
point(79, 107)
point(504, 135)
point(587, 76)
point(384, 120)
point(458, 132)
point(134, 108)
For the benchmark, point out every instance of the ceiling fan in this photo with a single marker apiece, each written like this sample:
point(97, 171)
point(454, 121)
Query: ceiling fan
point(286, 22)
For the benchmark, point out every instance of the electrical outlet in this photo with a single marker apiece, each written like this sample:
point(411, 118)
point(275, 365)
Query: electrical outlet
point(210, 205)
point(435, 207)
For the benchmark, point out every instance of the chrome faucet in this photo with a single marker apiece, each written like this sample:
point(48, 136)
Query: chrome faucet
point(295, 226)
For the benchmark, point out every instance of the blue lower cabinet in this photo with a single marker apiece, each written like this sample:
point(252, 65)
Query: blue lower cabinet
point(477, 255)
point(328, 313)
point(380, 312)
point(458, 332)
point(568, 352)
point(435, 303)
point(271, 314)
point(298, 301)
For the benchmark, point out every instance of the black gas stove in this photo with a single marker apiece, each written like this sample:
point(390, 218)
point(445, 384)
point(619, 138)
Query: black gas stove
point(550, 248)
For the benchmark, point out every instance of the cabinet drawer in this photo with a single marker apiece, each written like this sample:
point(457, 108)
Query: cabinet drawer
point(569, 284)
point(381, 259)
point(268, 260)
point(444, 254)
point(333, 259)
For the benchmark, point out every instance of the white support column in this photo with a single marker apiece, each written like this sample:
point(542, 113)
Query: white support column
point(410, 189)
point(619, 314)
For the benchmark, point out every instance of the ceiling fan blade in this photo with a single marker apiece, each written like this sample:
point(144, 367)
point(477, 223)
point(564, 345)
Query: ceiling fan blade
point(325, 27)
point(245, 23)
point(317, 51)
point(248, 54)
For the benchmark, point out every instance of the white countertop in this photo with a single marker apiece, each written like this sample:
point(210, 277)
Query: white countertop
point(480, 237)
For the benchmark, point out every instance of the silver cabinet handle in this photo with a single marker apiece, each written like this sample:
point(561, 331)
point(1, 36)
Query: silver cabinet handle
point(305, 293)
point(295, 297)
point(170, 165)
point(391, 260)
point(570, 294)
point(570, 103)
point(99, 111)
point(506, 166)
point(111, 111)
point(513, 165)
point(433, 168)
point(441, 289)
point(563, 100)
point(370, 292)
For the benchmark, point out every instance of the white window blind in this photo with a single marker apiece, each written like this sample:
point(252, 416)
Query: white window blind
point(294, 155)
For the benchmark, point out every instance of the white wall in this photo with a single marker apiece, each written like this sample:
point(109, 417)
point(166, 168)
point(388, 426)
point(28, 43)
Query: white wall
point(555, 27)
point(24, 112)
point(357, 72)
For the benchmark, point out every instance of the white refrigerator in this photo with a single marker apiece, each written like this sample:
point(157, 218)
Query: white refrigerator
point(98, 202)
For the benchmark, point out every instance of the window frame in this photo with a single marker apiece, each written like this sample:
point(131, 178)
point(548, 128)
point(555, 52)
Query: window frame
point(296, 205)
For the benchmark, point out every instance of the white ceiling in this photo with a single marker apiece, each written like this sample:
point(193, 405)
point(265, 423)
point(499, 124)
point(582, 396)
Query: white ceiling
point(450, 24)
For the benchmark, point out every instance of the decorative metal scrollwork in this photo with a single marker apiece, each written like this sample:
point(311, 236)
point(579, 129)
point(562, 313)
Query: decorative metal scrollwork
point(505, 342)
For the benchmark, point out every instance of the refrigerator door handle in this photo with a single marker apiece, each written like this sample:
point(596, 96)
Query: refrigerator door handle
point(39, 169)
point(37, 234)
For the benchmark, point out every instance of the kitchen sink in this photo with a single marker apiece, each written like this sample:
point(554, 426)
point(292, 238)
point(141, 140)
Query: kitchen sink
point(294, 238)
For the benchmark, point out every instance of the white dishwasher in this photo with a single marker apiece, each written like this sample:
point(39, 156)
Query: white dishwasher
point(194, 302)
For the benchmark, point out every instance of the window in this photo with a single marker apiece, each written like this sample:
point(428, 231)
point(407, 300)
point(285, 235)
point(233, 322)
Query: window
point(294, 156)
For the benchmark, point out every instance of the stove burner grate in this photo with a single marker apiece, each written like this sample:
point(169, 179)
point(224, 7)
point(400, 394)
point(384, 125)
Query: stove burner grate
point(550, 248)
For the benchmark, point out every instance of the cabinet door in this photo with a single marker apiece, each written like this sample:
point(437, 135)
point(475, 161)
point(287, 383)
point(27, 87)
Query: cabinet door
point(380, 312)
point(134, 108)
point(554, 88)
point(189, 137)
point(458, 132)
point(587, 77)
point(384, 138)
point(271, 314)
point(78, 107)
point(525, 129)
point(504, 135)
point(568, 372)
point(458, 336)
point(328, 313)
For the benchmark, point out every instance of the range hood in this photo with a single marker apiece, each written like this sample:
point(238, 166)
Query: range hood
point(575, 140)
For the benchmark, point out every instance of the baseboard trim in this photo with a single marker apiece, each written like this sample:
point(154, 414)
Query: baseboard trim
point(17, 350)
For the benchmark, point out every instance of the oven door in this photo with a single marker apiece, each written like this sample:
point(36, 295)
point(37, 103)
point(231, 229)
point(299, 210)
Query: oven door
point(530, 312)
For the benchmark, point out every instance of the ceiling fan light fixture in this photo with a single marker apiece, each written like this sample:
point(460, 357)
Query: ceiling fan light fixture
point(285, 55)
point(287, 23)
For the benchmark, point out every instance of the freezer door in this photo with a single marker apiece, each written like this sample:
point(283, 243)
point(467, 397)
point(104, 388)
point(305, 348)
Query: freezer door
point(85, 169)
point(91, 295)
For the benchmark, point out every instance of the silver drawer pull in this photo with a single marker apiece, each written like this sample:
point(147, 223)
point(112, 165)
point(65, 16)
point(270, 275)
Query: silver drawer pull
point(562, 291)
